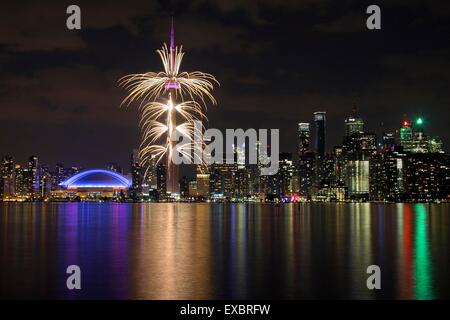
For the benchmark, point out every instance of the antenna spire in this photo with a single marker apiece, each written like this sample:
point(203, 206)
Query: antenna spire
point(172, 35)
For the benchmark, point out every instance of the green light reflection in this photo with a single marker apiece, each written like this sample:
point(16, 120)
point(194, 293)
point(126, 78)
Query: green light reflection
point(422, 263)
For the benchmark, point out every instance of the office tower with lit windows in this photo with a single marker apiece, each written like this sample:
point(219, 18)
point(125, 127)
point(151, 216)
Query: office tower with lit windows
point(282, 182)
point(242, 184)
point(271, 185)
point(215, 182)
point(7, 177)
point(338, 153)
point(150, 176)
point(34, 178)
point(320, 121)
point(202, 185)
point(306, 172)
point(405, 139)
point(21, 181)
point(419, 140)
point(329, 169)
point(161, 180)
point(388, 142)
point(193, 193)
point(304, 136)
point(223, 178)
point(1, 183)
point(332, 187)
point(57, 176)
point(254, 179)
point(387, 176)
point(435, 145)
point(427, 176)
point(358, 150)
point(353, 123)
point(184, 187)
point(136, 175)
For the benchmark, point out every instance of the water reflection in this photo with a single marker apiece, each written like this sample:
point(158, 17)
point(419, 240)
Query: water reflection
point(422, 265)
point(224, 251)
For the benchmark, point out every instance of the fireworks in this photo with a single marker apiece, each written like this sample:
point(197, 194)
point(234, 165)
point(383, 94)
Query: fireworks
point(162, 118)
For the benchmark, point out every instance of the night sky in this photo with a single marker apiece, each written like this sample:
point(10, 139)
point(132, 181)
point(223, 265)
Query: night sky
point(277, 62)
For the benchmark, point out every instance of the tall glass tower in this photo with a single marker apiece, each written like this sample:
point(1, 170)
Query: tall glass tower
point(320, 120)
point(303, 137)
point(406, 135)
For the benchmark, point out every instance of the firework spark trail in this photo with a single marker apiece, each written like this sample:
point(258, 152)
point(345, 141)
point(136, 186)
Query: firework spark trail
point(157, 93)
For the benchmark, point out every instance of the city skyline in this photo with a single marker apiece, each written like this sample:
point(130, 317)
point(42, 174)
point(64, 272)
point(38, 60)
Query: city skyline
point(405, 165)
point(293, 149)
point(328, 64)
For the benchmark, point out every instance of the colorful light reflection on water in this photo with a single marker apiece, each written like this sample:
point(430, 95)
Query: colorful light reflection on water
point(224, 251)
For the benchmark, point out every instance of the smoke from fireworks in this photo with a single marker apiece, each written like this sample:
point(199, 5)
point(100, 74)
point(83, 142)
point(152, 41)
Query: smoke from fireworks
point(157, 93)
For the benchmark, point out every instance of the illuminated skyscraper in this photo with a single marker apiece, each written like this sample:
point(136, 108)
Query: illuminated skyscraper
point(149, 182)
point(306, 161)
point(306, 172)
point(161, 180)
point(285, 174)
point(320, 120)
point(358, 150)
point(136, 175)
point(34, 178)
point(242, 183)
point(254, 179)
point(387, 176)
point(57, 176)
point(215, 182)
point(7, 174)
point(303, 137)
point(427, 176)
point(329, 169)
point(388, 143)
point(406, 135)
point(184, 187)
point(435, 145)
point(354, 124)
point(223, 178)
point(202, 185)
point(21, 180)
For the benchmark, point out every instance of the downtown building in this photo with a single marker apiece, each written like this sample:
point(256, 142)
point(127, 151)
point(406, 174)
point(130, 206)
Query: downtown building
point(31, 182)
point(427, 177)
point(306, 162)
point(410, 167)
point(353, 163)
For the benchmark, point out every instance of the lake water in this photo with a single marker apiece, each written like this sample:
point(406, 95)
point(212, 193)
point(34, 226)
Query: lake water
point(224, 251)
